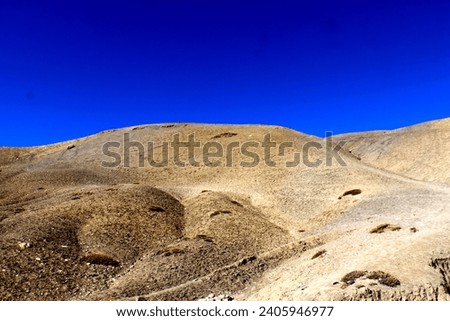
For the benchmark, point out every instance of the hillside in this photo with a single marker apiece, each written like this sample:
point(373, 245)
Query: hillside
point(372, 223)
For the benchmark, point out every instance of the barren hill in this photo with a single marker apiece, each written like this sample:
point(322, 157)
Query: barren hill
point(178, 211)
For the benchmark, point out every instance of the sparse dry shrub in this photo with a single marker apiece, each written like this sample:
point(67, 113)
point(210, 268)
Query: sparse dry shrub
point(352, 192)
point(224, 135)
point(215, 213)
point(384, 278)
point(318, 254)
point(353, 276)
point(237, 203)
point(383, 227)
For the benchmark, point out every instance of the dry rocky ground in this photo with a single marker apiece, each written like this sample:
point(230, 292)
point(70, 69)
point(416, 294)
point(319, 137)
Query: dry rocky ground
point(377, 228)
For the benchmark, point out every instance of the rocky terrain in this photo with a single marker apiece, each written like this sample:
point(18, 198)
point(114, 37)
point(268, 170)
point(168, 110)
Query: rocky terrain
point(91, 220)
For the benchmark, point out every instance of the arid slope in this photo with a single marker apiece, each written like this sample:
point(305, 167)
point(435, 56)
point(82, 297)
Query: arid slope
point(374, 225)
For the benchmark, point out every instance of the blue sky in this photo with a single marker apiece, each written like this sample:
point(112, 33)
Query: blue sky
point(74, 68)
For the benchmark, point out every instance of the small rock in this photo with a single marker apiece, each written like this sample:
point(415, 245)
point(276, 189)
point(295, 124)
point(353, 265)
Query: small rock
point(210, 296)
point(70, 147)
point(24, 245)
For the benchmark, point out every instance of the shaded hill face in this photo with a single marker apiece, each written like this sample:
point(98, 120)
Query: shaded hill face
point(258, 212)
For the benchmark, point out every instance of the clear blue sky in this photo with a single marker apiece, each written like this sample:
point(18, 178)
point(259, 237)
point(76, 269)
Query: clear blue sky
point(74, 68)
